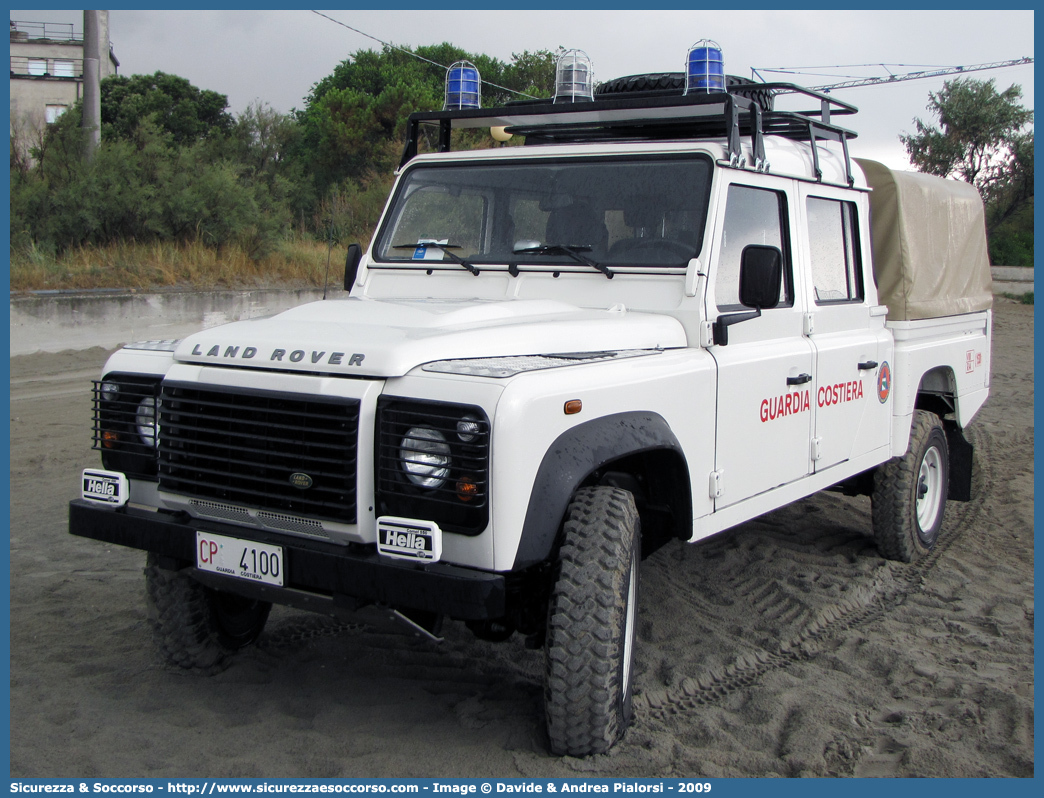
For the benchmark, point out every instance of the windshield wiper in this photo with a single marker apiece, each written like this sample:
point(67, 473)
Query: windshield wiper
point(572, 250)
point(445, 248)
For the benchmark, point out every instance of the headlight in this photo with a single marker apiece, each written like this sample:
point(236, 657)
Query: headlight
point(432, 463)
point(145, 420)
point(425, 457)
point(126, 423)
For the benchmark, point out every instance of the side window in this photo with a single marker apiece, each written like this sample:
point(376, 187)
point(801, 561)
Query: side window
point(836, 272)
point(752, 216)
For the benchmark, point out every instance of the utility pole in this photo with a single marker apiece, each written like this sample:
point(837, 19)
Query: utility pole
point(92, 48)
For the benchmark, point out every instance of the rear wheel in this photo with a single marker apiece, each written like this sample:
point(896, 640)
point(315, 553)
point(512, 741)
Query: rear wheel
point(196, 627)
point(909, 496)
point(592, 620)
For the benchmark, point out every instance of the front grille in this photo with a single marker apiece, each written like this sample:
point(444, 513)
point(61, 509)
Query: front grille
point(282, 452)
point(459, 502)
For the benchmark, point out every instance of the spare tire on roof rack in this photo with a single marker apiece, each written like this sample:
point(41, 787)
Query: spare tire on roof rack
point(675, 82)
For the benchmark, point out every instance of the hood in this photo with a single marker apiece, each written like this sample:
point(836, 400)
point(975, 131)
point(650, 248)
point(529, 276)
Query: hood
point(363, 337)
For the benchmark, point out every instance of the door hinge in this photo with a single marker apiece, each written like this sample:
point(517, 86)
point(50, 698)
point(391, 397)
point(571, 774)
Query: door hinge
point(809, 324)
point(717, 486)
point(817, 448)
point(706, 334)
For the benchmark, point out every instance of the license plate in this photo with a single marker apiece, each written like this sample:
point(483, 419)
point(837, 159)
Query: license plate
point(409, 539)
point(243, 559)
point(105, 487)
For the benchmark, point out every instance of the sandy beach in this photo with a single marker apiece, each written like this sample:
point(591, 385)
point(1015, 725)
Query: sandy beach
point(785, 647)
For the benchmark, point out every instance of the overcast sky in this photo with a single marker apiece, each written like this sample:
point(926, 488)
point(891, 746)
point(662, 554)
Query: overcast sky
point(276, 56)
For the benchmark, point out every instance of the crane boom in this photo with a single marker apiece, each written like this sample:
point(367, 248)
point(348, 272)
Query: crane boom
point(933, 73)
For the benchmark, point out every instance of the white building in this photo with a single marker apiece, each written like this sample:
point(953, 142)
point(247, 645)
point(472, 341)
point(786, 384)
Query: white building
point(47, 73)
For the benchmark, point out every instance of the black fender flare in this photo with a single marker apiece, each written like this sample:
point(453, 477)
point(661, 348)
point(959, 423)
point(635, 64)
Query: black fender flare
point(570, 459)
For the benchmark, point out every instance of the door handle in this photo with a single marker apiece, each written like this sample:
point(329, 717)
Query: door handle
point(800, 379)
point(869, 364)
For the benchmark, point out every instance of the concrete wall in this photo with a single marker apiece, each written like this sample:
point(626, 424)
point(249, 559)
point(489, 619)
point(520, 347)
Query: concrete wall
point(60, 320)
point(53, 322)
point(1012, 280)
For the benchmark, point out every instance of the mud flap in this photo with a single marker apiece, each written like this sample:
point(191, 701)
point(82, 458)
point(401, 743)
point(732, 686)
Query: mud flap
point(962, 453)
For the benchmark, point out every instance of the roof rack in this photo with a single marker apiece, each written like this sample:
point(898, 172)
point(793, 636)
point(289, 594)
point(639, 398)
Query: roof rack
point(650, 116)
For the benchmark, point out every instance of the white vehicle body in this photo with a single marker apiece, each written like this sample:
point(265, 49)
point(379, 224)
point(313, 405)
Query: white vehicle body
point(577, 380)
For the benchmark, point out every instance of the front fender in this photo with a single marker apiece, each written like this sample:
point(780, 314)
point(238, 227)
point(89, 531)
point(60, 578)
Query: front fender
point(574, 456)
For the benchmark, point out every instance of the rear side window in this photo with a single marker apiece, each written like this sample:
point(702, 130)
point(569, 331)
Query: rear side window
point(834, 248)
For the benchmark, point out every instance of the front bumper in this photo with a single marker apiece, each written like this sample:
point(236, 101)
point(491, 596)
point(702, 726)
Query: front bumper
point(319, 576)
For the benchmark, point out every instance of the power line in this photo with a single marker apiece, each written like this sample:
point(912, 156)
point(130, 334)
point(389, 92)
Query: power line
point(380, 41)
point(415, 55)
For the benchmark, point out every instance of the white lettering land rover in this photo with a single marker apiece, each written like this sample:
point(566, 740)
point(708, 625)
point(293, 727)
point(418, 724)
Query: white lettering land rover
point(666, 314)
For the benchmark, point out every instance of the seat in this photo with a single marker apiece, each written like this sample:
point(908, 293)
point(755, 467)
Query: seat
point(578, 225)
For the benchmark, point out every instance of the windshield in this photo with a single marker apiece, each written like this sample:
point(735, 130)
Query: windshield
point(635, 212)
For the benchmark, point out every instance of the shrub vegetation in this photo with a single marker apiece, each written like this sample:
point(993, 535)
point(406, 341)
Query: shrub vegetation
point(180, 192)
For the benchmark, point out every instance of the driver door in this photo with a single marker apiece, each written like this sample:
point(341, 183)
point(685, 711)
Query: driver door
point(763, 414)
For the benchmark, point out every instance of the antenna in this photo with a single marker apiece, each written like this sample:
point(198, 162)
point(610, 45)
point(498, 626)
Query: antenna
point(329, 251)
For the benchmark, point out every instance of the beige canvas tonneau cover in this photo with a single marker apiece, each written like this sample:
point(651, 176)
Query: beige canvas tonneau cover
point(928, 237)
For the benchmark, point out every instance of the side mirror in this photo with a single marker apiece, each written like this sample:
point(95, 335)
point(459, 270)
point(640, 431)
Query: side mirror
point(351, 265)
point(761, 276)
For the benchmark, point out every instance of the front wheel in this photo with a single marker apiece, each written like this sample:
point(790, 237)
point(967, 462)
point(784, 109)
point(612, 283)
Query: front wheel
point(910, 493)
point(592, 617)
point(196, 627)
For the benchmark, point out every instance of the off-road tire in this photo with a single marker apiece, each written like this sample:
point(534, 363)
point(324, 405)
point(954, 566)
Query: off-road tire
point(906, 527)
point(592, 617)
point(634, 84)
point(674, 82)
point(197, 628)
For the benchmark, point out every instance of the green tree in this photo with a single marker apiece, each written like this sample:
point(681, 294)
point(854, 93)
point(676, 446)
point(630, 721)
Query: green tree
point(529, 73)
point(187, 113)
point(263, 139)
point(983, 138)
point(1011, 242)
point(354, 121)
point(267, 145)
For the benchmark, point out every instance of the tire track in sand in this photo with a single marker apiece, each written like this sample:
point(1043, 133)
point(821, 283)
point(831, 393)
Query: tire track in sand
point(861, 606)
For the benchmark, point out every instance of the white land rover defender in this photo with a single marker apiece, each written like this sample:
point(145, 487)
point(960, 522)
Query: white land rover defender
point(666, 314)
